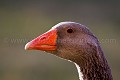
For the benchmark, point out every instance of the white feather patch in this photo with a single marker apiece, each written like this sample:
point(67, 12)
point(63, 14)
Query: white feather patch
point(79, 72)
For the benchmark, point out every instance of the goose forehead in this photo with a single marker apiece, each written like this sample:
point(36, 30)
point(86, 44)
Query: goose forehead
point(64, 23)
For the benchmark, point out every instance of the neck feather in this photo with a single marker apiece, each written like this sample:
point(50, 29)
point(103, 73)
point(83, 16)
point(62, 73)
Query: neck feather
point(94, 67)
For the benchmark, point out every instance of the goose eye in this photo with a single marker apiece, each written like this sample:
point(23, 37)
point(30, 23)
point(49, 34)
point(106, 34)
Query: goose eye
point(70, 31)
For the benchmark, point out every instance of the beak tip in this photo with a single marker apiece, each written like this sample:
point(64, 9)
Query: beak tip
point(27, 46)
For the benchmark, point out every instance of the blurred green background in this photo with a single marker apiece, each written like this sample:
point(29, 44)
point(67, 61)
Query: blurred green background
point(23, 20)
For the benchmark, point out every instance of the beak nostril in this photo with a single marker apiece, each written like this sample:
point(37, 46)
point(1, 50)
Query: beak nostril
point(42, 38)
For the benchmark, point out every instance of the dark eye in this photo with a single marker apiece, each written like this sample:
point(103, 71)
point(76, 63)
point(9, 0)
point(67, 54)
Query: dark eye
point(70, 31)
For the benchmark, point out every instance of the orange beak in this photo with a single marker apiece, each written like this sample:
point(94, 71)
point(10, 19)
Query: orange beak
point(44, 42)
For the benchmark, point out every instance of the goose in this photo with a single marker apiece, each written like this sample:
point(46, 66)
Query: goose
point(74, 42)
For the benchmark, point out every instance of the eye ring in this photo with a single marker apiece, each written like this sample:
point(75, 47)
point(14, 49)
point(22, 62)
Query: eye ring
point(70, 30)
